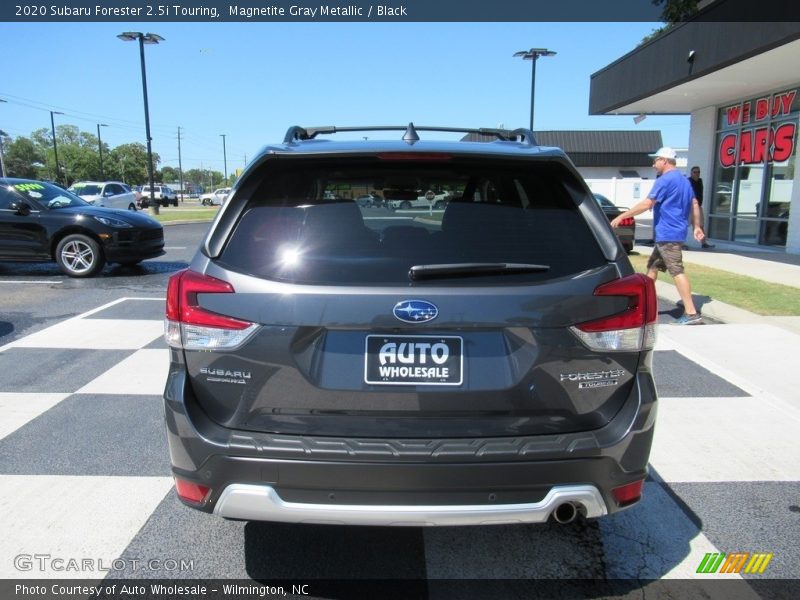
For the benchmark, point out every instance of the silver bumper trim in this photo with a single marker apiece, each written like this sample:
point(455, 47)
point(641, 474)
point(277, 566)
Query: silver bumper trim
point(262, 503)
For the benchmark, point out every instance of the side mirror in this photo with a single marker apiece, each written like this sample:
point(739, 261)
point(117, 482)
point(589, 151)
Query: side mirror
point(20, 208)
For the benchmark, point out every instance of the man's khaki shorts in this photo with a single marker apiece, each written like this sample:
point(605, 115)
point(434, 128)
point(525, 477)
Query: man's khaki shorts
point(667, 257)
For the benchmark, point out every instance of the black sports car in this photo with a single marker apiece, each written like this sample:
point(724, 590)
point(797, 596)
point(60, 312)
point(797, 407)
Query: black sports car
point(40, 222)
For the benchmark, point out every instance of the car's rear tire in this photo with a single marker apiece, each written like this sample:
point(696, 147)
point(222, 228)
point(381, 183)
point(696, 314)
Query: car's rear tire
point(79, 255)
point(205, 201)
point(405, 205)
point(132, 207)
point(175, 202)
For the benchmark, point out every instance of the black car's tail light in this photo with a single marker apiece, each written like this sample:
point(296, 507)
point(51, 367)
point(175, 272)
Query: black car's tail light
point(631, 330)
point(190, 326)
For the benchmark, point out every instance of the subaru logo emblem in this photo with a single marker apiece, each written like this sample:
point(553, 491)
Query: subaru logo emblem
point(415, 311)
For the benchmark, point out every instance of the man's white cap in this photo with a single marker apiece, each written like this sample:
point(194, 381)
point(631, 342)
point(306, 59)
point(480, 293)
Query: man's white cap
point(665, 152)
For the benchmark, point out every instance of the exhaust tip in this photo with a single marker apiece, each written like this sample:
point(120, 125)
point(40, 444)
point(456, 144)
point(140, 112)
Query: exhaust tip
point(565, 513)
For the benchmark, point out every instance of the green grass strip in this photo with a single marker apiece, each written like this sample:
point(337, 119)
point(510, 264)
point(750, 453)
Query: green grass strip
point(760, 297)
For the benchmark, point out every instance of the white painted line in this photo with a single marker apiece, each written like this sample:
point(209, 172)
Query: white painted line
point(17, 409)
point(101, 334)
point(724, 439)
point(760, 359)
point(15, 281)
point(21, 342)
point(143, 372)
point(174, 247)
point(73, 518)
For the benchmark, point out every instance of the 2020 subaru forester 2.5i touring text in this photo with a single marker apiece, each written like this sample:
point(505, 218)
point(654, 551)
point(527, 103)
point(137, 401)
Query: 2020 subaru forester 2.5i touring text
point(488, 362)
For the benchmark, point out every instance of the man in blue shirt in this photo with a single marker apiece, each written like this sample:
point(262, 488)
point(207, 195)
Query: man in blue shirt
point(674, 206)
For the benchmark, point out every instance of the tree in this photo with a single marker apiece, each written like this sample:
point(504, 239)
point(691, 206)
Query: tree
point(22, 157)
point(128, 163)
point(675, 11)
point(169, 174)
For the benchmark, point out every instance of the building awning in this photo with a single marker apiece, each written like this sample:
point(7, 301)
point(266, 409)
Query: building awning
point(698, 64)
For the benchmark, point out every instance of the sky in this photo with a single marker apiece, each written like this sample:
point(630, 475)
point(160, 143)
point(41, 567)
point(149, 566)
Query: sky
point(251, 81)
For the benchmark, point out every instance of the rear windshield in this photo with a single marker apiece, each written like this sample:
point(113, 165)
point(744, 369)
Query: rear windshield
point(372, 222)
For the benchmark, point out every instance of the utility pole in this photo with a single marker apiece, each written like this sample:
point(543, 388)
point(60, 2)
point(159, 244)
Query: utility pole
point(224, 158)
point(2, 160)
point(100, 150)
point(180, 164)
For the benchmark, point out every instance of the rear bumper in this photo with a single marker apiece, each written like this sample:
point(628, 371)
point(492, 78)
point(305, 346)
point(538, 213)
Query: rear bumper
point(263, 503)
point(308, 479)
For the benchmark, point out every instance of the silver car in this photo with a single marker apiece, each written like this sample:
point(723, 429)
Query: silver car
point(331, 363)
point(111, 194)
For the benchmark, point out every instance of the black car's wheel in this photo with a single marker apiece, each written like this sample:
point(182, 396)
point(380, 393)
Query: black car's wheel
point(175, 202)
point(79, 255)
point(132, 207)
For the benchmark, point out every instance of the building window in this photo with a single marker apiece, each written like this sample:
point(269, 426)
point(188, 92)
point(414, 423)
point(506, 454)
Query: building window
point(756, 150)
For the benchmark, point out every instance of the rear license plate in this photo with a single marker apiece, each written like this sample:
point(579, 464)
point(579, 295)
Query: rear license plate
point(414, 360)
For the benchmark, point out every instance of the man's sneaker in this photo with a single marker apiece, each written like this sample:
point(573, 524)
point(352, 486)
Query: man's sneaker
point(707, 245)
point(695, 319)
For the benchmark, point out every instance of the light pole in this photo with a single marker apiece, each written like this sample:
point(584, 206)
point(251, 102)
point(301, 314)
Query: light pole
point(224, 158)
point(145, 38)
point(100, 150)
point(55, 146)
point(2, 160)
point(533, 55)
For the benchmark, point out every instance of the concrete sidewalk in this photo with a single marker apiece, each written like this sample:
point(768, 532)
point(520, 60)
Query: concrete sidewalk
point(768, 265)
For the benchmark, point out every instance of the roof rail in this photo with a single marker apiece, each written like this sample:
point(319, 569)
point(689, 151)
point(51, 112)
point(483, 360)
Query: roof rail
point(297, 133)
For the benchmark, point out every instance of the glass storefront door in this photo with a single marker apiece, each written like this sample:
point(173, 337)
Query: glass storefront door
point(754, 169)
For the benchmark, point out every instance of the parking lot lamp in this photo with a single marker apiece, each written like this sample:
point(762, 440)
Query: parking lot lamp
point(55, 146)
point(533, 55)
point(100, 150)
point(145, 38)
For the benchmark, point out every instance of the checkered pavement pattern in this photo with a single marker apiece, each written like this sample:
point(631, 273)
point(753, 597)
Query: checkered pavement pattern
point(84, 473)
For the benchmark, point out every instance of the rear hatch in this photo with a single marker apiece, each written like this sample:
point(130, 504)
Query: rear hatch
point(324, 318)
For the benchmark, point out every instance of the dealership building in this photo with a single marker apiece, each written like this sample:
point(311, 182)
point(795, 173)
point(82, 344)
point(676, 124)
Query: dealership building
point(740, 83)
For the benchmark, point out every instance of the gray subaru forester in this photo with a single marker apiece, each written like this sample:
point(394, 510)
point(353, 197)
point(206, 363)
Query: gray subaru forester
point(476, 349)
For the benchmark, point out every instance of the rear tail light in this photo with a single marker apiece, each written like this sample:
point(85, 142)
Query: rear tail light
point(629, 493)
point(627, 222)
point(631, 330)
point(190, 326)
point(191, 492)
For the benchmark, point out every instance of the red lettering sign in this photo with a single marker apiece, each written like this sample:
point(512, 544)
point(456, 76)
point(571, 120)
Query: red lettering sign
point(734, 114)
point(727, 150)
point(756, 145)
point(784, 142)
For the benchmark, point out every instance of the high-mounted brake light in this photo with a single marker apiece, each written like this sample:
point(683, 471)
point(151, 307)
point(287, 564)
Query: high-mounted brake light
point(420, 156)
point(188, 325)
point(630, 330)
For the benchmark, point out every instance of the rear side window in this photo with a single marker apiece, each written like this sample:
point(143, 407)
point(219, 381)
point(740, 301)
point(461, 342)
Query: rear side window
point(304, 225)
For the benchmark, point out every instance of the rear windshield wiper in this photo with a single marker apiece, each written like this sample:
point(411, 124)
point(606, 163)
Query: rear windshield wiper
point(418, 272)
